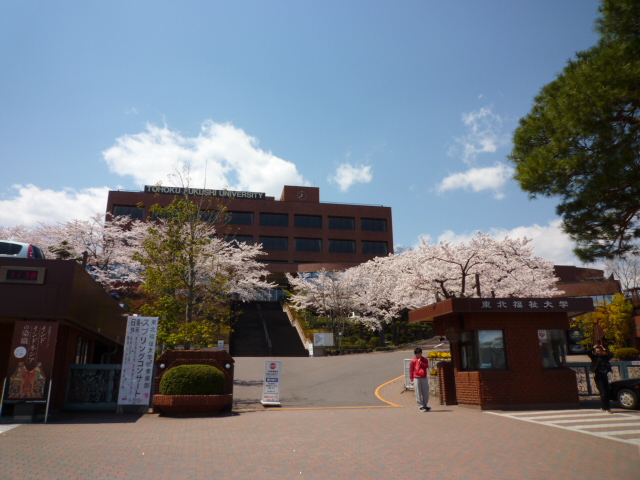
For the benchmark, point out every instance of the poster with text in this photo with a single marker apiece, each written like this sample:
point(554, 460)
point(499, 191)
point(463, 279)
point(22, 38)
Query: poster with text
point(31, 361)
point(137, 363)
point(271, 385)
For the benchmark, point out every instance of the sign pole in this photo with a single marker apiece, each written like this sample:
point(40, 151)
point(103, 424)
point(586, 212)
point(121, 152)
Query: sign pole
point(4, 385)
point(46, 412)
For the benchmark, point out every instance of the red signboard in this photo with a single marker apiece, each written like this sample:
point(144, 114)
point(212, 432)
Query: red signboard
point(31, 361)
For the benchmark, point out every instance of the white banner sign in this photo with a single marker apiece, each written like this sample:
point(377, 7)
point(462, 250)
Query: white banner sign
point(137, 362)
point(271, 385)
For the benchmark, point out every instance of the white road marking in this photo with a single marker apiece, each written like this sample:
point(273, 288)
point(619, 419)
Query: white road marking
point(590, 422)
point(6, 428)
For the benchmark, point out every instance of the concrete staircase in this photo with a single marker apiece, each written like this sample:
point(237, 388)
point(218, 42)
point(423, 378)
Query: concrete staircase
point(250, 340)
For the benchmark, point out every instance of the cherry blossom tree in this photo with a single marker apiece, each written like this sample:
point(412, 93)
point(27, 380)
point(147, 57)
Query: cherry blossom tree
point(190, 275)
point(105, 243)
point(483, 267)
point(18, 233)
point(325, 293)
point(381, 289)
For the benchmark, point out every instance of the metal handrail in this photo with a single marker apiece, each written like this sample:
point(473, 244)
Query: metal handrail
point(307, 344)
point(266, 331)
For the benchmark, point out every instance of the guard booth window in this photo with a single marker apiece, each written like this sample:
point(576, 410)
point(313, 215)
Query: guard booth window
point(483, 350)
point(553, 348)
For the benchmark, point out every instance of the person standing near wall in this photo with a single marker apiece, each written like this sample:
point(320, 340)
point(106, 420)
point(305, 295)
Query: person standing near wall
point(418, 371)
point(600, 367)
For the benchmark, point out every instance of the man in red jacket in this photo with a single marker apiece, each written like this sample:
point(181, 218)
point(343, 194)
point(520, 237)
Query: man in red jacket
point(418, 372)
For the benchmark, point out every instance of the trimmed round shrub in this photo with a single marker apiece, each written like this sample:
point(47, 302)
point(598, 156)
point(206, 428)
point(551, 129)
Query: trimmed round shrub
point(627, 353)
point(193, 380)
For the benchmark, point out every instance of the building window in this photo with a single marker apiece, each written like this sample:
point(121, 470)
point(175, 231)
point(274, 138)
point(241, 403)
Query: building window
point(209, 216)
point(274, 243)
point(248, 239)
point(553, 348)
point(308, 244)
point(342, 246)
point(483, 350)
point(376, 248)
point(373, 225)
point(82, 351)
point(274, 220)
point(240, 218)
point(135, 213)
point(342, 223)
point(308, 221)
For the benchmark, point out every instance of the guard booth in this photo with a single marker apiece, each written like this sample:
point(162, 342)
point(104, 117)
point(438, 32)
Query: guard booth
point(507, 353)
point(54, 319)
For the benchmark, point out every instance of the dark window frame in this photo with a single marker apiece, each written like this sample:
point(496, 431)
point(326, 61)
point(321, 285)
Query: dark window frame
point(240, 218)
point(338, 246)
point(342, 223)
point(307, 244)
point(269, 242)
point(472, 353)
point(274, 219)
point(373, 224)
point(139, 211)
point(371, 247)
point(307, 221)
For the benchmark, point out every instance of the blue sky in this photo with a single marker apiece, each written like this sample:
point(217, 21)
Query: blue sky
point(407, 104)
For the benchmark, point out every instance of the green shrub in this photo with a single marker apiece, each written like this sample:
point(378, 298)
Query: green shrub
point(193, 380)
point(626, 353)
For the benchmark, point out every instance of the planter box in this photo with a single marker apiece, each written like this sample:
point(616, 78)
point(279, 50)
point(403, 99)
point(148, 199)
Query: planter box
point(192, 404)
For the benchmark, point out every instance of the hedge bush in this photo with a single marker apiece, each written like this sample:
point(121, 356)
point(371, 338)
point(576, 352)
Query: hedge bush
point(626, 353)
point(193, 380)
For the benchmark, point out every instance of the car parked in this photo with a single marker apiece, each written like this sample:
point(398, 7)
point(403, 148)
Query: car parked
point(626, 392)
point(19, 250)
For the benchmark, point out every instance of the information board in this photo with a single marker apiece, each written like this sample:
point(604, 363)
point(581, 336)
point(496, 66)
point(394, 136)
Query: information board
point(271, 385)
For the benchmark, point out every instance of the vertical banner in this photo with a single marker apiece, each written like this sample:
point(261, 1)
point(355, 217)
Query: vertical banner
point(271, 385)
point(137, 362)
point(31, 361)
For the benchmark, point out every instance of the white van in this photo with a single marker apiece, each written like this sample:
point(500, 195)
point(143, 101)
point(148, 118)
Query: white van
point(19, 250)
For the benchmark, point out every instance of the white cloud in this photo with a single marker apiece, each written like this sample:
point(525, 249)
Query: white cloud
point(221, 156)
point(347, 175)
point(485, 134)
point(548, 241)
point(479, 179)
point(32, 205)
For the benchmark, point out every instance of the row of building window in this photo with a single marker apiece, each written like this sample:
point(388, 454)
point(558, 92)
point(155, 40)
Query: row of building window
point(485, 349)
point(272, 219)
point(313, 244)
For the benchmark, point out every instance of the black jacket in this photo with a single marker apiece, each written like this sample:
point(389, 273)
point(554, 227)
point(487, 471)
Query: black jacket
point(600, 365)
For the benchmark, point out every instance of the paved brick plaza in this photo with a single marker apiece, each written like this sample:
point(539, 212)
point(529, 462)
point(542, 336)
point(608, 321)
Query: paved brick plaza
point(336, 443)
point(371, 441)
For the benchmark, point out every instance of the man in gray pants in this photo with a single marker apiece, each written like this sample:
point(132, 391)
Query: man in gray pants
point(418, 371)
